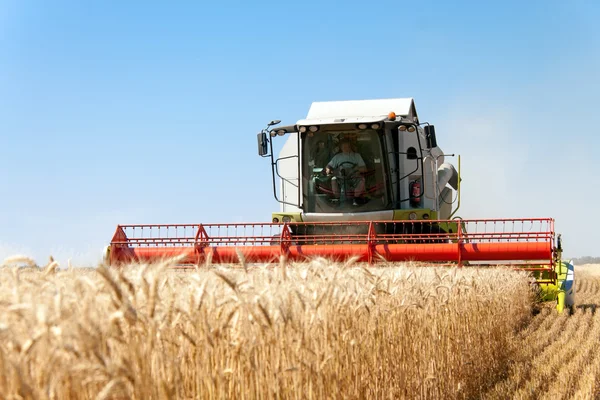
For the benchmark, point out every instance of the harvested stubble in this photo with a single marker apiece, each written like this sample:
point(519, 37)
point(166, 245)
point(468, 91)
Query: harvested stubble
point(558, 354)
point(316, 330)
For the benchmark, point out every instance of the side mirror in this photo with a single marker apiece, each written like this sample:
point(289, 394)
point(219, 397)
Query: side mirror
point(430, 136)
point(262, 144)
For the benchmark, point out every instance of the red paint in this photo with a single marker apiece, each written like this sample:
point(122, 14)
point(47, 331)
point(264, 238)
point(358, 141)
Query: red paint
point(485, 240)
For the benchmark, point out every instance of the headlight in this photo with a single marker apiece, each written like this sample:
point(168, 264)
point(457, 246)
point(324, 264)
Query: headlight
point(402, 128)
point(286, 219)
point(313, 128)
point(281, 132)
point(275, 220)
point(362, 126)
point(425, 216)
point(302, 129)
point(375, 126)
point(412, 215)
point(411, 128)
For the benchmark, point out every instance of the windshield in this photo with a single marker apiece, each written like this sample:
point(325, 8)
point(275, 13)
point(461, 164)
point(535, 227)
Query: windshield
point(343, 171)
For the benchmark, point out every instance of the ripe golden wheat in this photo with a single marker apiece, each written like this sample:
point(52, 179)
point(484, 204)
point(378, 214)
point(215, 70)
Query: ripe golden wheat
point(306, 331)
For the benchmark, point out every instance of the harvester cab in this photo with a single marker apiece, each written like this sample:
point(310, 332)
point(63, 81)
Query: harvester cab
point(364, 180)
point(360, 161)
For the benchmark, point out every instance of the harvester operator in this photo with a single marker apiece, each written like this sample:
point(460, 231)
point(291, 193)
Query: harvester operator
point(351, 163)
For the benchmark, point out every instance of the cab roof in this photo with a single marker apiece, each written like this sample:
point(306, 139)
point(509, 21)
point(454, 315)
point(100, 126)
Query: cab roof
point(359, 111)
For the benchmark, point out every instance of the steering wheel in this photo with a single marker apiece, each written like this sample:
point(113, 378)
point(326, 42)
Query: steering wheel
point(340, 169)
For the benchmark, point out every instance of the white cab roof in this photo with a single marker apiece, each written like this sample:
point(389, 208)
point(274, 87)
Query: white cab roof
point(360, 110)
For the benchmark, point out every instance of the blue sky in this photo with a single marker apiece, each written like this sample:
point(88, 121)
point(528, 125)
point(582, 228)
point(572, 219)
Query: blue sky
point(146, 112)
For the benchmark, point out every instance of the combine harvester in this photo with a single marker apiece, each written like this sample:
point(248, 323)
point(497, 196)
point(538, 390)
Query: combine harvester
point(362, 179)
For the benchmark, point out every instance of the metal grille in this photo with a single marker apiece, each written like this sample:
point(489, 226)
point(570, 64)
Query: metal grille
point(268, 234)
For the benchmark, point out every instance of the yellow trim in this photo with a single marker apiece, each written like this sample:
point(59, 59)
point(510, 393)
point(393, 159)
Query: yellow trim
point(554, 291)
point(295, 217)
point(560, 302)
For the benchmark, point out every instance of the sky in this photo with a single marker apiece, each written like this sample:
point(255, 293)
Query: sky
point(118, 112)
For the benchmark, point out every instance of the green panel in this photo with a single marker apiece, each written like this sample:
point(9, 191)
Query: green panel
point(403, 215)
point(554, 291)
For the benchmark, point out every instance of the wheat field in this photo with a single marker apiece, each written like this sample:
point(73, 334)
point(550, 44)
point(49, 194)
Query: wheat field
point(305, 331)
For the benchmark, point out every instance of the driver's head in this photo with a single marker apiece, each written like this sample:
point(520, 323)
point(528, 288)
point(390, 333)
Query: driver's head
point(345, 146)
